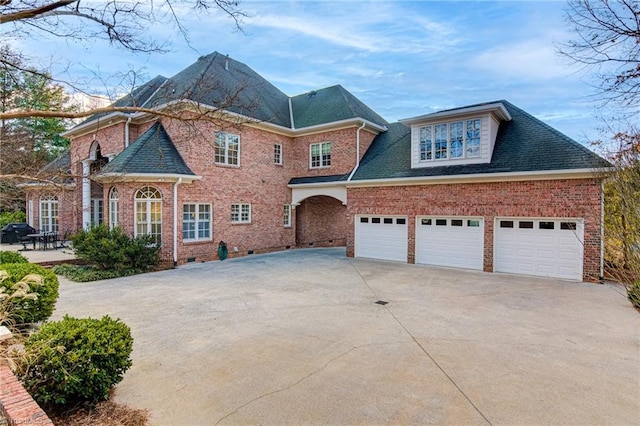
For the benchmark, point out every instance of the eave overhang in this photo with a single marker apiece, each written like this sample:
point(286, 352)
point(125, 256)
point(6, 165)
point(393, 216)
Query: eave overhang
point(121, 117)
point(497, 108)
point(484, 177)
point(145, 177)
point(31, 185)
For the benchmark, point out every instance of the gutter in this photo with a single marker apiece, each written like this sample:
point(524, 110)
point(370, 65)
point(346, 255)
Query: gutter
point(175, 221)
point(357, 152)
point(484, 177)
point(126, 132)
point(602, 232)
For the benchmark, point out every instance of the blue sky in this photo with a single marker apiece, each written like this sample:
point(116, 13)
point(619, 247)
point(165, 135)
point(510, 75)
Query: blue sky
point(403, 59)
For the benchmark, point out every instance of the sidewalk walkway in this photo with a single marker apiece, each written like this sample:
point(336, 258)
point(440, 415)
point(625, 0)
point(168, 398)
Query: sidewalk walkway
point(41, 256)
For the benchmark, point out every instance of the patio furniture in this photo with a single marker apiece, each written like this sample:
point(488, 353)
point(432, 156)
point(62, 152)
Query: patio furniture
point(14, 232)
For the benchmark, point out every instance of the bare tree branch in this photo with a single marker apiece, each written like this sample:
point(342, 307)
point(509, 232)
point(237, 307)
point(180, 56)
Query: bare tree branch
point(33, 13)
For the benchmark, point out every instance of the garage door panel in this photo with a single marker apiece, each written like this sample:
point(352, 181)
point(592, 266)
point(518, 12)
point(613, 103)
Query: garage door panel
point(376, 239)
point(442, 242)
point(551, 248)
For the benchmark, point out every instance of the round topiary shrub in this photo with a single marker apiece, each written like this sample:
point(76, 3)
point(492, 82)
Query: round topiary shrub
point(12, 257)
point(32, 310)
point(76, 361)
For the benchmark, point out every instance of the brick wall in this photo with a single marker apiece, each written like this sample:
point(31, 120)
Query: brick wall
point(570, 198)
point(16, 405)
point(343, 151)
point(67, 207)
point(321, 221)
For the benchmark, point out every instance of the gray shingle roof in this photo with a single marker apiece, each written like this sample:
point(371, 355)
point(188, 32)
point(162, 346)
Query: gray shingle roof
point(319, 179)
point(220, 81)
point(328, 105)
point(138, 97)
point(524, 144)
point(152, 153)
point(58, 170)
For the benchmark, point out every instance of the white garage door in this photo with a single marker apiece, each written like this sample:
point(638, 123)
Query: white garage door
point(381, 237)
point(543, 247)
point(450, 241)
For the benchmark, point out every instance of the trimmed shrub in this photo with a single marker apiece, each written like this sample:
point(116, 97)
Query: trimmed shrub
point(75, 361)
point(12, 217)
point(12, 257)
point(112, 249)
point(31, 310)
point(633, 293)
point(82, 274)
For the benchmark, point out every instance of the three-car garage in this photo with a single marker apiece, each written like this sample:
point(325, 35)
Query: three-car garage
point(549, 247)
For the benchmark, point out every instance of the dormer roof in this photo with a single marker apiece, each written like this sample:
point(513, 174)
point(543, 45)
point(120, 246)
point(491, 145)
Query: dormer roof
point(524, 145)
point(497, 108)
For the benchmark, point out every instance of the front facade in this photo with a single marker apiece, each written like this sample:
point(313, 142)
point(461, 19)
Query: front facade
point(484, 187)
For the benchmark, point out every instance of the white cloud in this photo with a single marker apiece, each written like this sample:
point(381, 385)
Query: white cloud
point(525, 60)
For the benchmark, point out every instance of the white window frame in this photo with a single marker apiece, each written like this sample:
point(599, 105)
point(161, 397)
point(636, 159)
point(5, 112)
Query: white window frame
point(322, 162)
point(222, 152)
point(277, 154)
point(48, 213)
point(97, 211)
point(241, 213)
point(114, 208)
point(287, 216)
point(198, 218)
point(148, 221)
point(428, 137)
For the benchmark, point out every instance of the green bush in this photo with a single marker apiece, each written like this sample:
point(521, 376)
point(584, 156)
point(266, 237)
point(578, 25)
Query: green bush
point(12, 217)
point(75, 361)
point(633, 293)
point(112, 249)
point(82, 274)
point(30, 310)
point(12, 257)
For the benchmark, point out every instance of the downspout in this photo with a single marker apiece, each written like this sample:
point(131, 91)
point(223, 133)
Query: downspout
point(602, 232)
point(126, 132)
point(175, 222)
point(357, 151)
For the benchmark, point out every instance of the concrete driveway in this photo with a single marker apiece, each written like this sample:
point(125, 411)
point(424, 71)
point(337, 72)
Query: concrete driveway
point(297, 338)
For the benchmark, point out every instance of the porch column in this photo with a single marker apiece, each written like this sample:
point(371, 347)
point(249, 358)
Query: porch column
point(86, 194)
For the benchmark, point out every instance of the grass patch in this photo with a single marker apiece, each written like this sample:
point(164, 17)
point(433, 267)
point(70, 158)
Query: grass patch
point(84, 273)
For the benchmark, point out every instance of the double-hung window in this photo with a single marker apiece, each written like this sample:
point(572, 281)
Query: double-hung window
point(241, 213)
point(459, 139)
point(287, 215)
point(227, 149)
point(320, 154)
point(277, 153)
point(196, 222)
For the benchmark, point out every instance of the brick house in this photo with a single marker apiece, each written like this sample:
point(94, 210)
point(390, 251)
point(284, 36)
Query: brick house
point(485, 187)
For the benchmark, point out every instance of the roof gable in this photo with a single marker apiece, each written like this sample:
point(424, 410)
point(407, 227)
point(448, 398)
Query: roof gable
point(523, 144)
point(152, 153)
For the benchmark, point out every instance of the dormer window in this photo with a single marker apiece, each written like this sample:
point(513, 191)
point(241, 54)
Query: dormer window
point(455, 140)
point(456, 137)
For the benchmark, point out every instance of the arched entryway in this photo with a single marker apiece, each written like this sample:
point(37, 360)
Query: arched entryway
point(321, 221)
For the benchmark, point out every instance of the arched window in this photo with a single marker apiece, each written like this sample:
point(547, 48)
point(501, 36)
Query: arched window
point(114, 215)
point(48, 213)
point(148, 212)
